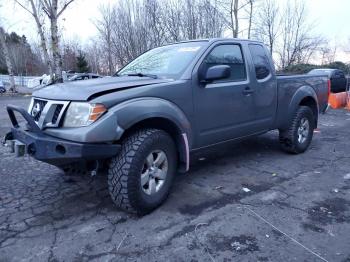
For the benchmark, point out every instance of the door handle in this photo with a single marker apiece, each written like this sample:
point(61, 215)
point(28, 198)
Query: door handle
point(247, 91)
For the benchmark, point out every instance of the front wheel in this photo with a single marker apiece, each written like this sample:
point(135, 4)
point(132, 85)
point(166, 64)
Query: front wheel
point(140, 176)
point(297, 138)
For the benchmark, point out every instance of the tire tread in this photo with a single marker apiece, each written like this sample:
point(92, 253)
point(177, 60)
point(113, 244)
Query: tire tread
point(120, 189)
point(287, 138)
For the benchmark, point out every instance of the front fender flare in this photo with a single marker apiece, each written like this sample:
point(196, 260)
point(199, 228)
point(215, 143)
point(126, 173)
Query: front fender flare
point(137, 110)
point(133, 111)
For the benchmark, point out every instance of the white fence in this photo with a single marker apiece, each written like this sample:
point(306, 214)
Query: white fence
point(19, 80)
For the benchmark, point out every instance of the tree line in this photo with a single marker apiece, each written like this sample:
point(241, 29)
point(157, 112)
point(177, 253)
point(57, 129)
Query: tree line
point(25, 60)
point(128, 28)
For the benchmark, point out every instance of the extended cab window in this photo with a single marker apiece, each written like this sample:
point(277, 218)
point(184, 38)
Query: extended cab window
point(230, 55)
point(261, 61)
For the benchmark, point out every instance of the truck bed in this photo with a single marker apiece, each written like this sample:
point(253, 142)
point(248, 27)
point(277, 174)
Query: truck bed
point(288, 87)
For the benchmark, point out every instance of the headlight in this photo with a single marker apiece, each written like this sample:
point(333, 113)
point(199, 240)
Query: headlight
point(83, 114)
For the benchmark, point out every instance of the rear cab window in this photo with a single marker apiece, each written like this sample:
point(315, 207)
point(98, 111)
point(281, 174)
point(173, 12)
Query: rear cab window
point(261, 61)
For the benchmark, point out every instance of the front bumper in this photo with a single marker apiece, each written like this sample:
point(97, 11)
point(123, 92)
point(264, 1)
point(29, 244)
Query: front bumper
point(53, 150)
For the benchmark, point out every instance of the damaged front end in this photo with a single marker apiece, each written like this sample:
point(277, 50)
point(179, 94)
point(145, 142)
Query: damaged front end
point(32, 140)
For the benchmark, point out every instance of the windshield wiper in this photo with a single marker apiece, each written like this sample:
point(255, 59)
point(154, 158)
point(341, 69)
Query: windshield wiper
point(143, 75)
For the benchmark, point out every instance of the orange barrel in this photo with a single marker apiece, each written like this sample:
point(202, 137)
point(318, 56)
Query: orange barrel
point(348, 102)
point(338, 100)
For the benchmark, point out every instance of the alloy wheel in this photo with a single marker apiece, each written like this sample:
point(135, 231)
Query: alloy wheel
point(154, 172)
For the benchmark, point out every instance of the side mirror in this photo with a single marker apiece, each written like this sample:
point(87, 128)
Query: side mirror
point(217, 72)
point(261, 72)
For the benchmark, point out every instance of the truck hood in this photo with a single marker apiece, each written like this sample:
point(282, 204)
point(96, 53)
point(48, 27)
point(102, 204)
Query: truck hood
point(85, 90)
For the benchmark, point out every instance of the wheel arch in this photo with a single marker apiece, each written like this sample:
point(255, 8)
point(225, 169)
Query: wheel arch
point(304, 96)
point(160, 114)
point(312, 104)
point(180, 138)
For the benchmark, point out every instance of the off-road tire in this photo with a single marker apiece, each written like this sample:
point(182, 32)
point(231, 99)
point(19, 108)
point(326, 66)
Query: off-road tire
point(289, 138)
point(124, 174)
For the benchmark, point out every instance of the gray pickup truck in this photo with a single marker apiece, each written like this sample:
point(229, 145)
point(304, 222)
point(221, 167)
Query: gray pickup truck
point(143, 123)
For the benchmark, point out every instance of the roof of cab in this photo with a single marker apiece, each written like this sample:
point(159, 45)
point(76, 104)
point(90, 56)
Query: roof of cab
point(212, 40)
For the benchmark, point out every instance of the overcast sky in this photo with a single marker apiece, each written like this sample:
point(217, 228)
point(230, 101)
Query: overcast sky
point(331, 19)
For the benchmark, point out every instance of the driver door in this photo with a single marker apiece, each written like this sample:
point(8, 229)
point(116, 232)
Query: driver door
point(224, 108)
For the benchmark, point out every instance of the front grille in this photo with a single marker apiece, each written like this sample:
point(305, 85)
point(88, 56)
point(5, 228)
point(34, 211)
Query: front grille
point(56, 114)
point(37, 109)
point(47, 113)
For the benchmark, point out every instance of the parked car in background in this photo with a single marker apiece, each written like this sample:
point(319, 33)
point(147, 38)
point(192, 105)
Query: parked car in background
point(2, 88)
point(336, 76)
point(39, 82)
point(69, 74)
point(84, 76)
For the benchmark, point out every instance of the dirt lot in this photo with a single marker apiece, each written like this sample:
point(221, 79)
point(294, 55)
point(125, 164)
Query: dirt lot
point(297, 209)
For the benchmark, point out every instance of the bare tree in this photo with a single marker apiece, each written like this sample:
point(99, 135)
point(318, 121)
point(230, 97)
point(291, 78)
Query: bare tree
point(53, 9)
point(105, 26)
point(154, 22)
point(267, 23)
point(234, 18)
point(35, 9)
point(211, 22)
point(297, 43)
point(202, 19)
point(6, 54)
point(94, 56)
point(19, 52)
point(250, 17)
point(173, 11)
point(131, 27)
point(190, 19)
point(235, 11)
point(70, 50)
point(328, 54)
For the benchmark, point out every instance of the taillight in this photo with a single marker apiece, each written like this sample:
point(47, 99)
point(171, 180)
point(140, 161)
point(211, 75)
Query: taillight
point(329, 87)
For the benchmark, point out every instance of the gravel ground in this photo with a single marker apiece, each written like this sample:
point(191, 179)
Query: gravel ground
point(240, 202)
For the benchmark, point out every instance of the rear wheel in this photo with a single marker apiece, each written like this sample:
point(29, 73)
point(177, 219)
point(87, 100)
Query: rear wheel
point(297, 138)
point(140, 176)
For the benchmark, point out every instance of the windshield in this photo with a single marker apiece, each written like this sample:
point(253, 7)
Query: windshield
point(168, 61)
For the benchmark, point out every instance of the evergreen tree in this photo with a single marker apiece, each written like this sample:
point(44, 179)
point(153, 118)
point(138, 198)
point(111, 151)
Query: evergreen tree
point(82, 64)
